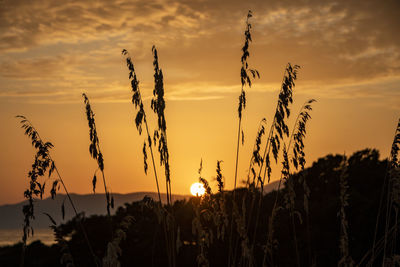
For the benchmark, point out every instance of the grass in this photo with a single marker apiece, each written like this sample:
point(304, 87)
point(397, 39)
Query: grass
point(233, 220)
point(43, 163)
point(95, 152)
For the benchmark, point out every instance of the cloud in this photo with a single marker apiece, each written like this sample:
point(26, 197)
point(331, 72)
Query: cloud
point(67, 47)
point(42, 68)
point(25, 24)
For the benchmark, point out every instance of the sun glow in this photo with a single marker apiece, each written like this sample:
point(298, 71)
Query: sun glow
point(197, 189)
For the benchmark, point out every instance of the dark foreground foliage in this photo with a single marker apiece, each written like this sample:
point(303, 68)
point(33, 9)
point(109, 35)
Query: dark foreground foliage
point(145, 245)
point(37, 254)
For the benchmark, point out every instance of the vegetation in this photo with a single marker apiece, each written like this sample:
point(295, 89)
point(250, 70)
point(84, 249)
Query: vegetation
point(319, 215)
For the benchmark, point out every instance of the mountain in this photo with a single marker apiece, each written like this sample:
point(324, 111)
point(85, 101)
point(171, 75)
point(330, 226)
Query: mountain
point(12, 216)
point(272, 186)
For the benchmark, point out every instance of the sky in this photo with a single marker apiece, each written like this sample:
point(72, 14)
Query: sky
point(53, 51)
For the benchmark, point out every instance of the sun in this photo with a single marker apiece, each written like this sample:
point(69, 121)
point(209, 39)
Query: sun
point(197, 189)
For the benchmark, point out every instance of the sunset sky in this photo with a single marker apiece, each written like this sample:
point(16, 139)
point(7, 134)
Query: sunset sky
point(53, 51)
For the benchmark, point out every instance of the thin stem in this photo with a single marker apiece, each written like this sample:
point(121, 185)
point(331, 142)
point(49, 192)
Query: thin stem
point(379, 212)
point(152, 158)
point(137, 101)
point(254, 148)
point(280, 179)
point(267, 148)
point(69, 198)
point(234, 189)
point(267, 145)
point(103, 176)
point(386, 180)
point(237, 152)
point(76, 214)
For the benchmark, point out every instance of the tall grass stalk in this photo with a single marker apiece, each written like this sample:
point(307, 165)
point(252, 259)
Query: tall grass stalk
point(160, 135)
point(245, 79)
point(221, 217)
point(393, 193)
point(141, 117)
point(203, 213)
point(279, 127)
point(256, 157)
point(385, 189)
point(95, 152)
point(345, 260)
point(290, 200)
point(43, 163)
point(158, 106)
point(282, 111)
point(298, 160)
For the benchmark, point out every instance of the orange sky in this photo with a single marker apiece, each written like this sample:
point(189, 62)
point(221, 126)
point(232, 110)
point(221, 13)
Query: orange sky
point(51, 52)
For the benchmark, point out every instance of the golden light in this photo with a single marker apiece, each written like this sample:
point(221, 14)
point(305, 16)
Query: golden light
point(197, 189)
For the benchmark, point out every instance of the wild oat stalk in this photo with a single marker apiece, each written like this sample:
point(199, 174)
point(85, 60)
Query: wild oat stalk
point(276, 134)
point(95, 152)
point(204, 182)
point(393, 196)
point(158, 106)
point(245, 80)
point(203, 213)
point(278, 130)
point(204, 236)
point(345, 260)
point(219, 177)
point(43, 163)
point(299, 133)
point(245, 245)
point(298, 159)
point(141, 116)
point(290, 200)
point(256, 158)
point(289, 204)
point(221, 218)
point(139, 119)
point(390, 189)
point(297, 137)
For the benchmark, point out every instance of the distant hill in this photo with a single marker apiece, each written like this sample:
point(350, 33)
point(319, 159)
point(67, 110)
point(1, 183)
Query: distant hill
point(272, 186)
point(12, 216)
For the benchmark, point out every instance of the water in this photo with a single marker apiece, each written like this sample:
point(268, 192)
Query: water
point(12, 236)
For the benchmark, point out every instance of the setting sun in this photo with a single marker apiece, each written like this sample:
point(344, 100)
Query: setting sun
point(197, 189)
